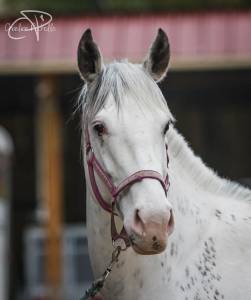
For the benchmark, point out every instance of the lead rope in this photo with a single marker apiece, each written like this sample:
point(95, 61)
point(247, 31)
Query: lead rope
point(98, 284)
point(120, 243)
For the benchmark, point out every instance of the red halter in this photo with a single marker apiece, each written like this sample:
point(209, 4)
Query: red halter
point(94, 166)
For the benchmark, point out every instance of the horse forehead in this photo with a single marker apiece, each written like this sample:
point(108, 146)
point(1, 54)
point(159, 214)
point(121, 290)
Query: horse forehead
point(131, 113)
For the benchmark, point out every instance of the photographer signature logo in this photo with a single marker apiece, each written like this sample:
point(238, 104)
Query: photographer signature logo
point(31, 20)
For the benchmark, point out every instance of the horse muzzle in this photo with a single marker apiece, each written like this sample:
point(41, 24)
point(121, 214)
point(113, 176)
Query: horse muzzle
point(149, 236)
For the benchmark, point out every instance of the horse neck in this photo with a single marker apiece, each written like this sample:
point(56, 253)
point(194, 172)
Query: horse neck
point(197, 193)
point(196, 175)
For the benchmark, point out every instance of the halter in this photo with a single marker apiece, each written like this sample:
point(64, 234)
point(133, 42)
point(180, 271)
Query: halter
point(115, 190)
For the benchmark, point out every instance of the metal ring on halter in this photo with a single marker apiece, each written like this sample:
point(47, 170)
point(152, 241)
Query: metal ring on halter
point(119, 242)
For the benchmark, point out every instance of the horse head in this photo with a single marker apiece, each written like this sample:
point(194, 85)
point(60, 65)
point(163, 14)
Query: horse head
point(125, 121)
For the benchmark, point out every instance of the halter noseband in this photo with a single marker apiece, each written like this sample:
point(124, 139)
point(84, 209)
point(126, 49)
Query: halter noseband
point(115, 190)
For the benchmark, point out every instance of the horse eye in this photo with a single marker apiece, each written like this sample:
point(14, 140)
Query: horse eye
point(166, 128)
point(99, 129)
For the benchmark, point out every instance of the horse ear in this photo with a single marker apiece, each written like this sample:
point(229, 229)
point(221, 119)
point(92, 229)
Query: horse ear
point(157, 60)
point(89, 57)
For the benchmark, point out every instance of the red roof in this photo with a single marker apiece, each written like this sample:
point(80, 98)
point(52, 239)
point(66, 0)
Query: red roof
point(193, 37)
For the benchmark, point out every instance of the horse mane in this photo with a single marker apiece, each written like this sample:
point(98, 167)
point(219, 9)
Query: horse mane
point(200, 174)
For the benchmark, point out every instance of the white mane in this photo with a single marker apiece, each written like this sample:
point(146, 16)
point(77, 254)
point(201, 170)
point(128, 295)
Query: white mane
point(200, 174)
point(120, 79)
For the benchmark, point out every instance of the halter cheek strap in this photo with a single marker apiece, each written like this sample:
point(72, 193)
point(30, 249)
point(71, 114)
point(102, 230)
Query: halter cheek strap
point(95, 167)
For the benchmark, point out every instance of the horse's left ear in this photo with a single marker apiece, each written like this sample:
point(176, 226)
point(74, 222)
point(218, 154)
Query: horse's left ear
point(157, 60)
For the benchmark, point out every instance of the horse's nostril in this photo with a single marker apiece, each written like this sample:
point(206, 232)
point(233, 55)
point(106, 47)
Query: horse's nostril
point(138, 226)
point(170, 224)
point(137, 217)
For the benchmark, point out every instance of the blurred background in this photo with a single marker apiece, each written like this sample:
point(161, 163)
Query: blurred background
point(43, 246)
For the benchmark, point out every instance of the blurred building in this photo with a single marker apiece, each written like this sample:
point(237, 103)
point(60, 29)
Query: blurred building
point(208, 88)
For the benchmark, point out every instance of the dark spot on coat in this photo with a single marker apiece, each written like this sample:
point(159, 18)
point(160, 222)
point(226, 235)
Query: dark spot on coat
point(199, 268)
point(172, 249)
point(207, 251)
point(207, 268)
point(218, 277)
point(169, 273)
point(211, 240)
point(212, 249)
point(233, 217)
point(218, 213)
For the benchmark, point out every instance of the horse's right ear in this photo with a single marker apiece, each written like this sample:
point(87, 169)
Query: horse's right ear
point(89, 57)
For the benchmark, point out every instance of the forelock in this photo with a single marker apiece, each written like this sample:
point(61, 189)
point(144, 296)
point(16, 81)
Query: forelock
point(120, 79)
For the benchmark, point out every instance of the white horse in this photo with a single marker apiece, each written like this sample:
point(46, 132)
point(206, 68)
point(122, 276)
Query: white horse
point(127, 125)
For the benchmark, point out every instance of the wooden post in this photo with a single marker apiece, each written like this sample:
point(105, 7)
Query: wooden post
point(50, 170)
